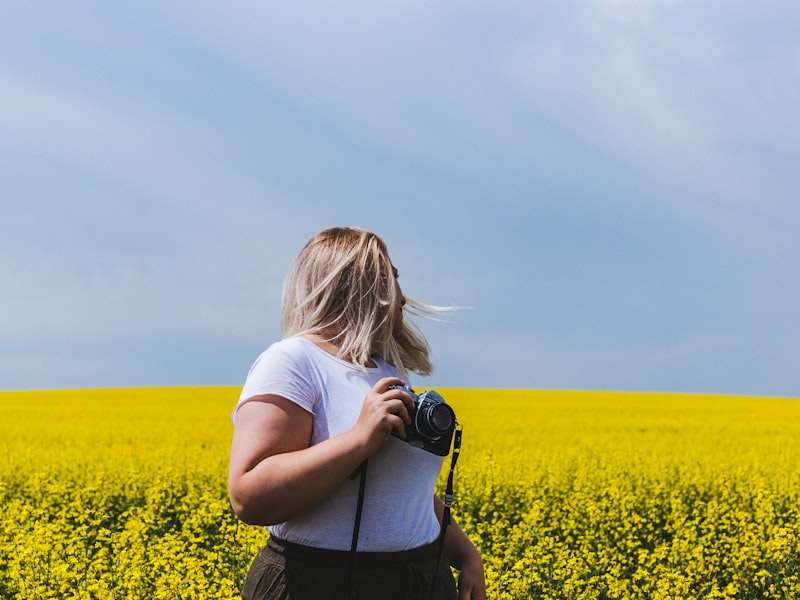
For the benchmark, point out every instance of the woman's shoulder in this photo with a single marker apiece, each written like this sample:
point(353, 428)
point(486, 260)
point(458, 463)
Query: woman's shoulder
point(287, 352)
point(290, 347)
point(304, 354)
point(286, 369)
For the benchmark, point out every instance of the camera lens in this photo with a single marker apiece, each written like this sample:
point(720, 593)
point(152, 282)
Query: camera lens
point(434, 420)
point(441, 418)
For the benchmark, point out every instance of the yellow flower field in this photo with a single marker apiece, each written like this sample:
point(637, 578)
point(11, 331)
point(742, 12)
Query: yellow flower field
point(577, 495)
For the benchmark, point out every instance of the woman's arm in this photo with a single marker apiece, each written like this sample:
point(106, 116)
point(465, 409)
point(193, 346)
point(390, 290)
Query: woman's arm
point(462, 554)
point(274, 474)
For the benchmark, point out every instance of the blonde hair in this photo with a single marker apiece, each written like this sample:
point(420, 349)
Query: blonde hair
point(341, 287)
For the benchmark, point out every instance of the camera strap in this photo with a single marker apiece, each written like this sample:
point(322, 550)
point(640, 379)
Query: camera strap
point(448, 501)
point(361, 473)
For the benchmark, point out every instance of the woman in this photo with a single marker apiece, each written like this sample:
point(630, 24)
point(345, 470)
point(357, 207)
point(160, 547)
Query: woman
point(318, 404)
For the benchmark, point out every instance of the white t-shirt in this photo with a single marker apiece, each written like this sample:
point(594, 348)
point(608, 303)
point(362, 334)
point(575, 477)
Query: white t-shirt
point(398, 504)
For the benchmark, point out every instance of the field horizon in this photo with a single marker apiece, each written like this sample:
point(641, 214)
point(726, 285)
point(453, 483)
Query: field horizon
point(237, 388)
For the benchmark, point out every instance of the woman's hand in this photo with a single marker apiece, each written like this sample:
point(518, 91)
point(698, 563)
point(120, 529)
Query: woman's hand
point(471, 579)
point(462, 554)
point(384, 410)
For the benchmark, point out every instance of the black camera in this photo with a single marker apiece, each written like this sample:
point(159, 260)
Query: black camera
point(432, 422)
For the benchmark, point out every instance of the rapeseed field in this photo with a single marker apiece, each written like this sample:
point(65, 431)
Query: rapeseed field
point(121, 493)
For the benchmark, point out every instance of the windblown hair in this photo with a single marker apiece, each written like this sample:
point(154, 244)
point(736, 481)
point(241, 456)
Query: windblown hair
point(341, 287)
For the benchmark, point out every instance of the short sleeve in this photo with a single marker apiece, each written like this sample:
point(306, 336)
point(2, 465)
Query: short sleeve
point(284, 370)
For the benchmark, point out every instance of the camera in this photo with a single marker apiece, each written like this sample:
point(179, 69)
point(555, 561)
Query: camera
point(432, 422)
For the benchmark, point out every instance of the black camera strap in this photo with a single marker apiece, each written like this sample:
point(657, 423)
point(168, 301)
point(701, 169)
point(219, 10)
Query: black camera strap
point(361, 473)
point(448, 501)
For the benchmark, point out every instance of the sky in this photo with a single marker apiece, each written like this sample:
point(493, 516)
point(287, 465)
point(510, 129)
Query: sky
point(608, 187)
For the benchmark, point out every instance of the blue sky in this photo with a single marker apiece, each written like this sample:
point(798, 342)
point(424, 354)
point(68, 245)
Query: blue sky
point(609, 186)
